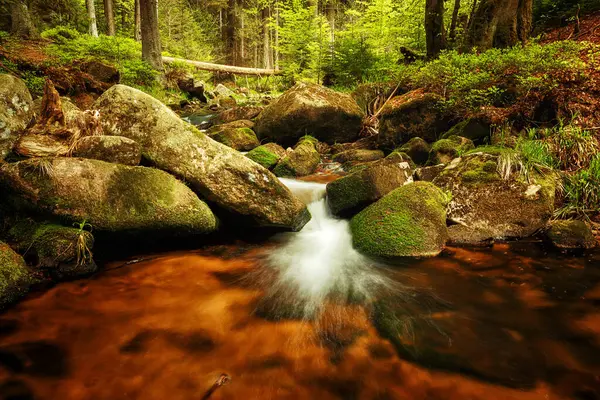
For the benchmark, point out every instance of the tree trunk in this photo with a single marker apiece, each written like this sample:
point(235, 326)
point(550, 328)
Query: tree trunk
point(524, 20)
point(434, 27)
point(91, 9)
point(472, 14)
point(266, 42)
point(454, 22)
point(276, 55)
point(137, 25)
point(110, 17)
point(228, 33)
point(22, 26)
point(151, 48)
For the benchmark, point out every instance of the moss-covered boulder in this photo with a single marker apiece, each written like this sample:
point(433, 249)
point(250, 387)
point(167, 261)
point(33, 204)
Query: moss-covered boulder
point(485, 205)
point(238, 138)
point(302, 161)
point(358, 155)
point(110, 197)
point(15, 277)
point(428, 173)
point(417, 149)
point(407, 222)
point(114, 149)
point(475, 129)
point(350, 194)
point(414, 114)
point(61, 251)
point(309, 109)
point(267, 155)
point(16, 110)
point(237, 113)
point(571, 235)
point(445, 150)
point(213, 170)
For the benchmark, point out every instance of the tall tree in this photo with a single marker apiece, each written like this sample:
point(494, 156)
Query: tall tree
point(267, 56)
point(151, 48)
point(434, 27)
point(137, 24)
point(454, 21)
point(110, 17)
point(22, 25)
point(91, 9)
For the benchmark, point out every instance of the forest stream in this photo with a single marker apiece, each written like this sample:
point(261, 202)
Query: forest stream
point(303, 315)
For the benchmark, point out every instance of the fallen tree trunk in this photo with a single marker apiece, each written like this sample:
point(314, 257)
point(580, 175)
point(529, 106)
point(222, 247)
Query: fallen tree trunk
point(223, 68)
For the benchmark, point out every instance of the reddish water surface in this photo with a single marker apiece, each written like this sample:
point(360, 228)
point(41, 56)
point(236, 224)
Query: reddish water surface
point(511, 322)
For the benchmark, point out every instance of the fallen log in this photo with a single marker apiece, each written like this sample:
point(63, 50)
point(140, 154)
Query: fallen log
point(232, 69)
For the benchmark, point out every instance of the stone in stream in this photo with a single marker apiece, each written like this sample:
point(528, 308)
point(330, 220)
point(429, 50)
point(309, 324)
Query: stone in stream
point(113, 149)
point(410, 221)
point(110, 197)
point(220, 174)
point(445, 150)
point(15, 277)
point(486, 206)
point(310, 109)
point(301, 161)
point(238, 135)
point(267, 155)
point(16, 110)
point(571, 235)
point(350, 194)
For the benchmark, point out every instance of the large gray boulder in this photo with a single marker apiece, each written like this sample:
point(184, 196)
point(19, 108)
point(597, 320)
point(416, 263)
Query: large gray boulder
point(215, 171)
point(110, 197)
point(16, 109)
point(310, 109)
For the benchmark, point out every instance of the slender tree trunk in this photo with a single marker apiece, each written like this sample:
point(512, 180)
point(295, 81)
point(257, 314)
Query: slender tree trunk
point(331, 19)
point(276, 61)
point(151, 48)
point(472, 14)
point(110, 17)
point(22, 25)
point(228, 33)
point(454, 22)
point(434, 27)
point(266, 42)
point(242, 39)
point(91, 9)
point(137, 24)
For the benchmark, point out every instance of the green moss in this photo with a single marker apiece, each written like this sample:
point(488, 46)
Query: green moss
point(480, 172)
point(263, 156)
point(285, 168)
point(401, 156)
point(15, 278)
point(346, 194)
point(492, 150)
point(241, 139)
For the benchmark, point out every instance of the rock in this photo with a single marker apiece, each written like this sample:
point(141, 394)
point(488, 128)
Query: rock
point(227, 102)
point(222, 91)
point(220, 174)
point(358, 155)
point(428, 174)
point(570, 235)
point(237, 113)
point(350, 194)
point(110, 197)
point(194, 88)
point(310, 109)
point(101, 71)
point(240, 139)
point(414, 114)
point(473, 128)
point(302, 161)
point(16, 110)
point(113, 149)
point(489, 207)
point(445, 150)
point(40, 146)
point(410, 221)
point(267, 155)
point(417, 149)
point(366, 143)
point(64, 252)
point(242, 123)
point(15, 278)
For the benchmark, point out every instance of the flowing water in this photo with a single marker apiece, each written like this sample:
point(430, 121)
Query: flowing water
point(304, 316)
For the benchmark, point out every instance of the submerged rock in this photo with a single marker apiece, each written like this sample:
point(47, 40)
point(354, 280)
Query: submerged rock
point(570, 235)
point(302, 161)
point(445, 150)
point(215, 171)
point(113, 149)
point(15, 278)
point(485, 206)
point(234, 135)
point(16, 110)
point(110, 197)
point(309, 109)
point(417, 149)
point(267, 155)
point(350, 194)
point(410, 221)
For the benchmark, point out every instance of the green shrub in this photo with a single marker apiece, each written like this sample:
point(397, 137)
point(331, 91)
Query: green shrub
point(34, 82)
point(60, 34)
point(138, 73)
point(581, 192)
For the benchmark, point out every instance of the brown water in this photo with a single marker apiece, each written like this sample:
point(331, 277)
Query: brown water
point(511, 322)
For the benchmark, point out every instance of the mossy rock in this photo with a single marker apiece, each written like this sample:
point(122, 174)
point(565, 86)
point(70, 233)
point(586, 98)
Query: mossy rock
point(350, 194)
point(473, 128)
point(410, 221)
point(359, 155)
point(240, 139)
point(445, 150)
point(15, 277)
point(62, 251)
point(428, 174)
point(16, 110)
point(417, 149)
point(236, 114)
point(111, 197)
point(571, 235)
point(113, 149)
point(267, 155)
point(302, 161)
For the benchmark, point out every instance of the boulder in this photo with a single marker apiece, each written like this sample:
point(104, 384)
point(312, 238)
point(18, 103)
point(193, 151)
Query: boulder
point(417, 149)
point(15, 278)
point(238, 138)
point(486, 206)
point(428, 173)
point(220, 174)
point(310, 109)
point(302, 161)
point(267, 155)
point(237, 113)
point(365, 143)
point(64, 252)
point(103, 72)
point(222, 91)
point(16, 110)
point(571, 235)
point(358, 155)
point(110, 197)
point(414, 114)
point(473, 128)
point(410, 221)
point(113, 149)
point(194, 88)
point(445, 150)
point(350, 194)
